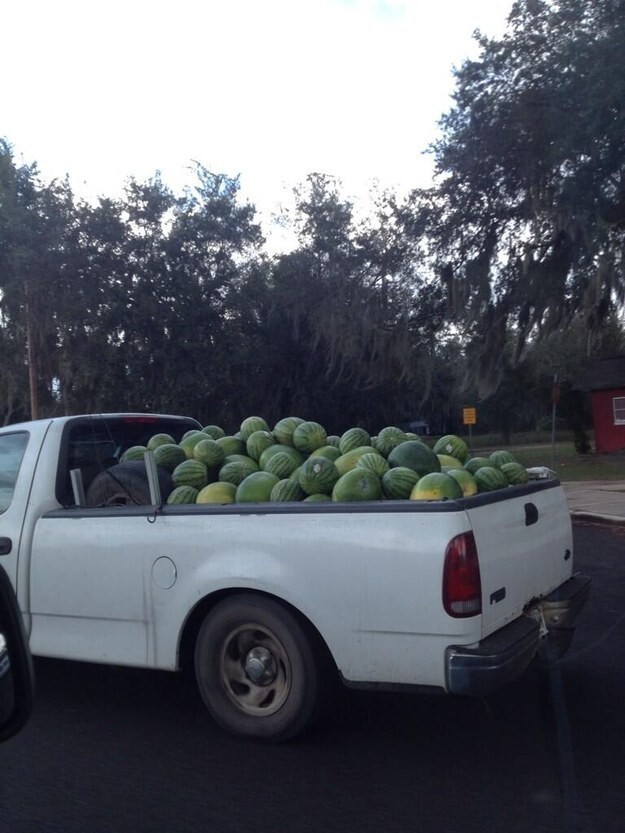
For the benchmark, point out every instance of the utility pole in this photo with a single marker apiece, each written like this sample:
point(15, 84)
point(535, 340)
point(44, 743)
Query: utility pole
point(31, 350)
point(555, 401)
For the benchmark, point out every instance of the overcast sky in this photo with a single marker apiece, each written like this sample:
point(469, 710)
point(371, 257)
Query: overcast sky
point(268, 89)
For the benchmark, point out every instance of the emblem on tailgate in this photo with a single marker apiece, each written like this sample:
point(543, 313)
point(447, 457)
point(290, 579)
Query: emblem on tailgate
point(498, 595)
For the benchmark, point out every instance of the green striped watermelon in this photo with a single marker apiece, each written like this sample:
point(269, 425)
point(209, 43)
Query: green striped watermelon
point(169, 456)
point(476, 463)
point(209, 452)
point(357, 484)
point(135, 452)
point(329, 451)
point(348, 461)
point(453, 446)
point(515, 473)
point(373, 461)
point(214, 431)
point(190, 473)
point(450, 462)
point(354, 438)
point(282, 464)
point(182, 494)
point(388, 438)
point(190, 433)
point(398, 483)
point(256, 487)
point(236, 471)
point(308, 436)
point(242, 458)
point(295, 474)
point(498, 458)
point(285, 491)
point(232, 445)
point(489, 478)
point(466, 481)
point(159, 439)
point(257, 442)
point(415, 455)
point(278, 448)
point(284, 428)
point(317, 475)
point(436, 486)
point(220, 492)
point(189, 442)
point(251, 424)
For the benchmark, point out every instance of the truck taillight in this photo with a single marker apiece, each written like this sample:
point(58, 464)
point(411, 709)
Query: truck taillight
point(462, 587)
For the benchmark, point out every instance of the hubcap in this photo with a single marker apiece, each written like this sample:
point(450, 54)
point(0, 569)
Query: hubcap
point(260, 666)
point(255, 669)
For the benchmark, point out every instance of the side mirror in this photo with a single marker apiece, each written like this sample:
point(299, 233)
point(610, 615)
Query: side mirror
point(16, 666)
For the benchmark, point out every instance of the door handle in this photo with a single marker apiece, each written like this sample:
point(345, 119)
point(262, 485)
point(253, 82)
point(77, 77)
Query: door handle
point(5, 546)
point(531, 514)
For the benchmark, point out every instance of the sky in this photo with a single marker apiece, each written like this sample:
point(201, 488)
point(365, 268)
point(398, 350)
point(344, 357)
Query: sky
point(269, 90)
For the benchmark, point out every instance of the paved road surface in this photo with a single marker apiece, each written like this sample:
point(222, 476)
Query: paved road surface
point(126, 751)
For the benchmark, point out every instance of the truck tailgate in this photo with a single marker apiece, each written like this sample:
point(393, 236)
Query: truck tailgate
point(525, 547)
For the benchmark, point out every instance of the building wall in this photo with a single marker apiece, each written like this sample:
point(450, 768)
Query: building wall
point(609, 431)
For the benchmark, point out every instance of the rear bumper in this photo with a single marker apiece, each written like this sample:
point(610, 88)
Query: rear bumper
point(560, 610)
point(504, 655)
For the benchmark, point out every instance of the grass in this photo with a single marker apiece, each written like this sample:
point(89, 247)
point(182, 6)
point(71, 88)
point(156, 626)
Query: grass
point(523, 438)
point(563, 458)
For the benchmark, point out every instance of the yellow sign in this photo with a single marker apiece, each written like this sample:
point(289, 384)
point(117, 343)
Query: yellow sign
point(469, 416)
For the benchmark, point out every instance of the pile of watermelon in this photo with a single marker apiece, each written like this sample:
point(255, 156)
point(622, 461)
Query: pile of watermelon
point(298, 461)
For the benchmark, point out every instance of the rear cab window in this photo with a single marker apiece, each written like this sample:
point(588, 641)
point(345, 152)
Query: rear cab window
point(93, 444)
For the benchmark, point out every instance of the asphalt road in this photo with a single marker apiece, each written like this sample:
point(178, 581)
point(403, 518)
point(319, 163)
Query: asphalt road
point(127, 751)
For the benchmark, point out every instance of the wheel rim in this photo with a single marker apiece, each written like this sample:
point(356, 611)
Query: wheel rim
point(254, 670)
point(120, 499)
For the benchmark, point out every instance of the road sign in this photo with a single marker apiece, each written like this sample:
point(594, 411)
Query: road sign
point(469, 416)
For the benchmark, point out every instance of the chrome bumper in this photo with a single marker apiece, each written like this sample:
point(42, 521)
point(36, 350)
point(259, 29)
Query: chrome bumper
point(504, 655)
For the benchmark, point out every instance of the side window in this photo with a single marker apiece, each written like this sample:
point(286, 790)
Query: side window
point(618, 404)
point(12, 447)
point(87, 446)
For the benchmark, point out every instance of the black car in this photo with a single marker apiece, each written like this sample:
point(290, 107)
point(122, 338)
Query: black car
point(16, 670)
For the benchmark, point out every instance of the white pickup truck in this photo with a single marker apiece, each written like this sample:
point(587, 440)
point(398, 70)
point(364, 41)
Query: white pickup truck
point(270, 601)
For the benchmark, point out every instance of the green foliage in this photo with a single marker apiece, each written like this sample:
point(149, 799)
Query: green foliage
point(528, 216)
point(352, 323)
point(162, 302)
point(32, 219)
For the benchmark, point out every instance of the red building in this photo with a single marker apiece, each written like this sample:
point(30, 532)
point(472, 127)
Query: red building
point(604, 379)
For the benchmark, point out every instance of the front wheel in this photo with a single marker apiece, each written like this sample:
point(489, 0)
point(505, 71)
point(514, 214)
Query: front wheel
point(256, 668)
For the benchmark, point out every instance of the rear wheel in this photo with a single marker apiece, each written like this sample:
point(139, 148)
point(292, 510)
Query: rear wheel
point(256, 668)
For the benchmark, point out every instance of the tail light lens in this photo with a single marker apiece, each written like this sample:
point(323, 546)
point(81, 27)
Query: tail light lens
point(462, 586)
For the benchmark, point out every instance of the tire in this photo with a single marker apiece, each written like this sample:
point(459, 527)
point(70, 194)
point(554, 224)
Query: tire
point(126, 484)
point(256, 669)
